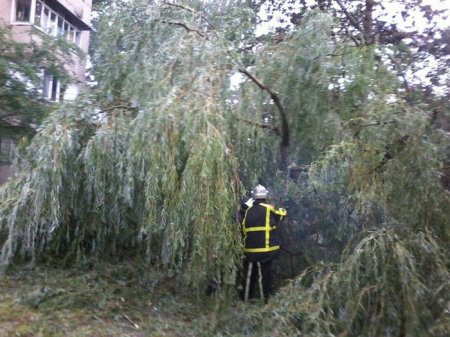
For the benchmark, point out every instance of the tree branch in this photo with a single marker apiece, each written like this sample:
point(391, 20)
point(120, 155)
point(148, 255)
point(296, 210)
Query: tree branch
point(368, 22)
point(400, 72)
point(332, 55)
point(114, 107)
point(379, 123)
point(351, 18)
point(276, 100)
point(284, 145)
point(255, 80)
point(192, 11)
point(261, 125)
point(185, 26)
point(376, 123)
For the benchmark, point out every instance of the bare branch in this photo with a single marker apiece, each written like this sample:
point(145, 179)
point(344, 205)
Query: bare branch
point(400, 72)
point(192, 11)
point(368, 22)
point(276, 100)
point(256, 81)
point(379, 123)
point(185, 26)
point(114, 107)
point(284, 145)
point(332, 55)
point(351, 18)
point(261, 125)
point(349, 15)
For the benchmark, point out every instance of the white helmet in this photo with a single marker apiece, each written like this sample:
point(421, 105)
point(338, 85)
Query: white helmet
point(260, 192)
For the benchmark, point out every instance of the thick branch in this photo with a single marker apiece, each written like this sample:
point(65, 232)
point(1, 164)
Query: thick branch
point(261, 125)
point(368, 22)
point(351, 18)
point(400, 72)
point(331, 55)
point(192, 11)
point(276, 100)
point(379, 123)
point(114, 107)
point(185, 26)
point(255, 80)
point(284, 145)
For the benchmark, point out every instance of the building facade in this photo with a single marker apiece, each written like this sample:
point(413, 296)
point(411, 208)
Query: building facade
point(29, 21)
point(70, 19)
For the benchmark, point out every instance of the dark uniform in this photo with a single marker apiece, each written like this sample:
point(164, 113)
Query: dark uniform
point(261, 245)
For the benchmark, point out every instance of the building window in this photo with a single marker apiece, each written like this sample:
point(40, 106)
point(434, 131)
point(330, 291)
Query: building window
point(38, 12)
point(54, 24)
point(51, 24)
point(23, 11)
point(48, 20)
point(51, 87)
point(7, 150)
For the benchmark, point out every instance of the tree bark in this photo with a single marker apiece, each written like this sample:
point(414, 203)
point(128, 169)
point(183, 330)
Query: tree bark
point(285, 142)
point(368, 23)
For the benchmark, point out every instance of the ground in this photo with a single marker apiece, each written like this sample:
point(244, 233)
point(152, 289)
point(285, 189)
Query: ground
point(107, 300)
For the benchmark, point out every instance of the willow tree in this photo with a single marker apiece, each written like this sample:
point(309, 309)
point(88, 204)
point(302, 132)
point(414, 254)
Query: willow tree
point(375, 166)
point(155, 159)
point(146, 163)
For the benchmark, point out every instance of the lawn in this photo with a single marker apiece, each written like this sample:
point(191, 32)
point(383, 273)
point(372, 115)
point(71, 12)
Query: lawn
point(110, 300)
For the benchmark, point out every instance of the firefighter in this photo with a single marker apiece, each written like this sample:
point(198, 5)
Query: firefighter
point(261, 243)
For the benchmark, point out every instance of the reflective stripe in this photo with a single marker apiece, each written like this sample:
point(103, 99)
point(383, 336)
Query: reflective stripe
point(266, 228)
point(261, 250)
point(258, 229)
point(280, 211)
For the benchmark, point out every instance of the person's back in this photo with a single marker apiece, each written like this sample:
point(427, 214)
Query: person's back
point(261, 242)
point(260, 228)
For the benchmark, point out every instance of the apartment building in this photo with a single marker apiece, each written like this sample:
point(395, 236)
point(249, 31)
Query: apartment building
point(29, 21)
point(70, 19)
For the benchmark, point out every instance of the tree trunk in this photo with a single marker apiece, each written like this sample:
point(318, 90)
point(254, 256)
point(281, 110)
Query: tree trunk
point(368, 23)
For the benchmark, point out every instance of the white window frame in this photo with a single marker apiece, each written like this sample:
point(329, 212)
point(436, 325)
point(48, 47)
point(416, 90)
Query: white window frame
point(49, 27)
point(14, 13)
point(51, 86)
point(7, 149)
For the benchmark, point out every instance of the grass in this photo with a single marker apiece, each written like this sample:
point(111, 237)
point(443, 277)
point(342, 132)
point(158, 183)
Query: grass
point(110, 300)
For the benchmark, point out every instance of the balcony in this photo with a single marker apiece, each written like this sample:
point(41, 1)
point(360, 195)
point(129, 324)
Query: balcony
point(52, 18)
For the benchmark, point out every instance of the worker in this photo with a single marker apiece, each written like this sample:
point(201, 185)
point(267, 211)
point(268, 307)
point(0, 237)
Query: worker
point(261, 243)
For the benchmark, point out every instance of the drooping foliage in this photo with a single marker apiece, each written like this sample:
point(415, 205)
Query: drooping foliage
point(168, 180)
point(388, 285)
point(153, 162)
point(21, 65)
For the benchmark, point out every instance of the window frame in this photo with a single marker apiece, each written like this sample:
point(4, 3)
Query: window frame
point(47, 21)
point(8, 147)
point(51, 87)
point(30, 20)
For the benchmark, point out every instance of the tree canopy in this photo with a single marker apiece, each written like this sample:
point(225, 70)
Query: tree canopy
point(188, 114)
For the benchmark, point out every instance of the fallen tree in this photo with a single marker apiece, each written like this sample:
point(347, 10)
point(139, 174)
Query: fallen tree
point(153, 162)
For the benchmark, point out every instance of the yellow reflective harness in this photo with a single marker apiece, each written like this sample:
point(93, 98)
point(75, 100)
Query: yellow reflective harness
point(267, 228)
